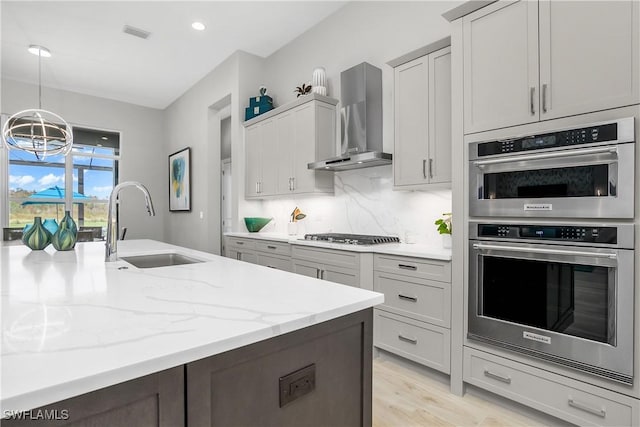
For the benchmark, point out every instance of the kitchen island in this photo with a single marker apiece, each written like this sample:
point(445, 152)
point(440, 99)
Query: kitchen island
point(216, 342)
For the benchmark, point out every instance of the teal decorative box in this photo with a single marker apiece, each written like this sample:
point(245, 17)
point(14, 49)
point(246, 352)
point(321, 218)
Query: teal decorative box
point(259, 101)
point(251, 112)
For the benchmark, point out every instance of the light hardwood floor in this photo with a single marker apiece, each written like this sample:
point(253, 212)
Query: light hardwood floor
point(404, 398)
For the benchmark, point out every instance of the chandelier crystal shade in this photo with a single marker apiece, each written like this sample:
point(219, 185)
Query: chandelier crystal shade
point(38, 131)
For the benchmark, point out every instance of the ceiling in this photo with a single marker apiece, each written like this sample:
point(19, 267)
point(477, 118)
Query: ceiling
point(92, 55)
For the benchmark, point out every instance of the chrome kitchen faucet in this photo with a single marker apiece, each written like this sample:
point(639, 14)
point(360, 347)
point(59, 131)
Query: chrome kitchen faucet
point(111, 246)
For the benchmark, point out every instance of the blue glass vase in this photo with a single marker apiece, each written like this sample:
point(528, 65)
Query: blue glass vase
point(36, 237)
point(51, 225)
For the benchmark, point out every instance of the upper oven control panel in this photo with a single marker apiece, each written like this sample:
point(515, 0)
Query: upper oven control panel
point(584, 234)
point(585, 135)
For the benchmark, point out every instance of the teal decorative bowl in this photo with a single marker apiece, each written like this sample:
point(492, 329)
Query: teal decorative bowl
point(255, 224)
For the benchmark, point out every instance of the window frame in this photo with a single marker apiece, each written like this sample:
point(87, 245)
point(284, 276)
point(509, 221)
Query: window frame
point(68, 171)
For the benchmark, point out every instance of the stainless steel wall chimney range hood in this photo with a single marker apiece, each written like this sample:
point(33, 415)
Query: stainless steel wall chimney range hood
point(361, 120)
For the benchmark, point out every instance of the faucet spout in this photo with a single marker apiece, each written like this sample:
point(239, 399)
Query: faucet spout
point(111, 246)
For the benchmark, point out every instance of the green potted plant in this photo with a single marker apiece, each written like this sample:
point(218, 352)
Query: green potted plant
point(444, 228)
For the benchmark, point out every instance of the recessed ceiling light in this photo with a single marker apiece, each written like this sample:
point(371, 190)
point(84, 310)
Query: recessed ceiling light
point(198, 26)
point(39, 51)
point(104, 138)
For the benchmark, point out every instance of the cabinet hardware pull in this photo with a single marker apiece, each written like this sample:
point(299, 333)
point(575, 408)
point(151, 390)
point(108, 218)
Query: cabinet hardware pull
point(552, 155)
point(239, 243)
point(431, 168)
point(544, 98)
point(322, 274)
point(289, 184)
point(271, 247)
point(257, 187)
point(488, 373)
point(293, 183)
point(597, 412)
point(532, 92)
point(407, 267)
point(271, 266)
point(238, 256)
point(484, 247)
point(318, 273)
point(407, 339)
point(424, 168)
point(408, 298)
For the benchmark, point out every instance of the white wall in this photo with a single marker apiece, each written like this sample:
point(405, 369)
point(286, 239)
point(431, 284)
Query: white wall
point(367, 31)
point(142, 142)
point(191, 122)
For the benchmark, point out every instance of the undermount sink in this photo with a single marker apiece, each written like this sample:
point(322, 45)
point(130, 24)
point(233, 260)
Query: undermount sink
point(159, 260)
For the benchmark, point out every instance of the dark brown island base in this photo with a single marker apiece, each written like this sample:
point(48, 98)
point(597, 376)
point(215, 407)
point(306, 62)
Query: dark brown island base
point(316, 376)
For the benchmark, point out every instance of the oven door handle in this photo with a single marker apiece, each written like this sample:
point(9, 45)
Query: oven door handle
point(484, 247)
point(553, 155)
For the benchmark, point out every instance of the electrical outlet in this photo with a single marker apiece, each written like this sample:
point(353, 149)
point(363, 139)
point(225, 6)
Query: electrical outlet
point(297, 384)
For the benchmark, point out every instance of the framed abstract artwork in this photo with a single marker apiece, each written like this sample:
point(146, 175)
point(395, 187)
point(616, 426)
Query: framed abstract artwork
point(180, 180)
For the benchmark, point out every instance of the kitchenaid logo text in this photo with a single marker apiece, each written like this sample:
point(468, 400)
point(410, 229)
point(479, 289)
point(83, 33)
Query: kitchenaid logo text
point(538, 207)
point(37, 414)
point(536, 337)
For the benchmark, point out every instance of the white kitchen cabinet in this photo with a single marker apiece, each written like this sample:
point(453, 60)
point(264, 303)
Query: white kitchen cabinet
point(415, 319)
point(268, 253)
point(261, 158)
point(290, 137)
point(240, 249)
point(422, 147)
point(527, 61)
point(570, 400)
point(588, 56)
point(501, 66)
point(344, 267)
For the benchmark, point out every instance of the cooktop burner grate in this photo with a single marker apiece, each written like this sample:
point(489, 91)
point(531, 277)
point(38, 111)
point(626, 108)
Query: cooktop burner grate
point(352, 239)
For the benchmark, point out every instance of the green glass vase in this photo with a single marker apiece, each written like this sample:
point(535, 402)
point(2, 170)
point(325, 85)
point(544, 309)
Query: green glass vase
point(36, 237)
point(64, 238)
point(71, 224)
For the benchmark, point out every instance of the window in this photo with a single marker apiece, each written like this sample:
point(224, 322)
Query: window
point(83, 179)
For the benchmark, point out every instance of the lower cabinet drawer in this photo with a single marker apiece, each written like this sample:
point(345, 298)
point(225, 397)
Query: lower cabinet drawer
point(421, 342)
point(273, 247)
point(279, 263)
point(561, 397)
point(424, 300)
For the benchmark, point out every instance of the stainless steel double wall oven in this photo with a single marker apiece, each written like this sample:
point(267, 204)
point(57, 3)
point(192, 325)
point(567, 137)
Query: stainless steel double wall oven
point(547, 277)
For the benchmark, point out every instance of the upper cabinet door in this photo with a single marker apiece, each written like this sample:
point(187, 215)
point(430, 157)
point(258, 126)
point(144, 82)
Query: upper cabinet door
point(501, 66)
point(269, 154)
point(439, 163)
point(253, 164)
point(411, 114)
point(303, 179)
point(588, 56)
point(286, 144)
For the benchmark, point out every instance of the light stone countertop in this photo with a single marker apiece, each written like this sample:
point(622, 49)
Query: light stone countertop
point(400, 249)
point(72, 323)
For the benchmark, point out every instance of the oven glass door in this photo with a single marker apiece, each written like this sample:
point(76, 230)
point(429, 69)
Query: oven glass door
point(570, 183)
point(569, 303)
point(573, 299)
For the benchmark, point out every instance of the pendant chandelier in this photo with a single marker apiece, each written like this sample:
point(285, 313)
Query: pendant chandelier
point(38, 131)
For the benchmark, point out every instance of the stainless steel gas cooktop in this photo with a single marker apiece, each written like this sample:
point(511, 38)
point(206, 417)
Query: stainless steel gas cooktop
point(352, 239)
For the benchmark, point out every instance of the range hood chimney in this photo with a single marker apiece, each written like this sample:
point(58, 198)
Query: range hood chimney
point(361, 121)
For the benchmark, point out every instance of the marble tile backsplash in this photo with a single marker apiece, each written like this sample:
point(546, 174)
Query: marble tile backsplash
point(364, 203)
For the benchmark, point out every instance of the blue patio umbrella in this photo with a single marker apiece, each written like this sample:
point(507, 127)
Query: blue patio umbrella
point(53, 196)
